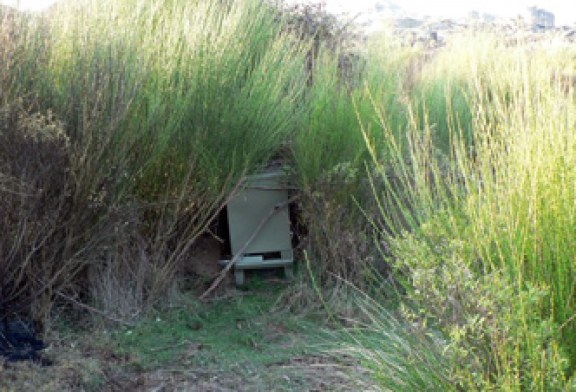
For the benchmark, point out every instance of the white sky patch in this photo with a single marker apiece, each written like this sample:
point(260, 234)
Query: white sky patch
point(564, 10)
point(29, 5)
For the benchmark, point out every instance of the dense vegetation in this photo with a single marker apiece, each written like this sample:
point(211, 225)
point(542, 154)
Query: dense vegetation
point(442, 185)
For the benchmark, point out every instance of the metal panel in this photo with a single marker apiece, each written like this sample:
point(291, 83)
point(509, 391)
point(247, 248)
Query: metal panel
point(250, 207)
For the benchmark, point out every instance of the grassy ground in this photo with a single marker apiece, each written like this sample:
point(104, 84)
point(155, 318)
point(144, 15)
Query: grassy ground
point(240, 343)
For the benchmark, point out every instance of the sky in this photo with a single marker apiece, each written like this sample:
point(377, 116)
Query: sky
point(29, 5)
point(565, 10)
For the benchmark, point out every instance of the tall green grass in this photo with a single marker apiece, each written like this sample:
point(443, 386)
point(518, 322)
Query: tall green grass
point(483, 236)
point(331, 155)
point(399, 356)
point(340, 98)
point(213, 80)
point(166, 104)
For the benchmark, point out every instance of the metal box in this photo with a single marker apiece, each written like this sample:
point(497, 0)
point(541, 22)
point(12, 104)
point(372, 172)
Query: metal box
point(272, 247)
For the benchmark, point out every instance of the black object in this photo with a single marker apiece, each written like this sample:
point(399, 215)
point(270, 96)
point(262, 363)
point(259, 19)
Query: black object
point(18, 341)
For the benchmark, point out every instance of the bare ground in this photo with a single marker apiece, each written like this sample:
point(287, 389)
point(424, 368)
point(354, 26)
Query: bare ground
point(81, 366)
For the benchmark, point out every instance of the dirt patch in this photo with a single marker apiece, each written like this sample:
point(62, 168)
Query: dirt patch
point(78, 368)
point(204, 257)
point(202, 265)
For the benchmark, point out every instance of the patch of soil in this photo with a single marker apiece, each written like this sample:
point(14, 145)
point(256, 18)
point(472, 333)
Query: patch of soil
point(73, 366)
point(306, 374)
point(83, 366)
point(204, 257)
point(202, 266)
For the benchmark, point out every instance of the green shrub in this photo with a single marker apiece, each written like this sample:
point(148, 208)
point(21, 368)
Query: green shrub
point(485, 247)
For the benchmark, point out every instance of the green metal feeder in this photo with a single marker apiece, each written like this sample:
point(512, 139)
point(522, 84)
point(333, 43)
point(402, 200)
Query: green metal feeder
point(272, 246)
